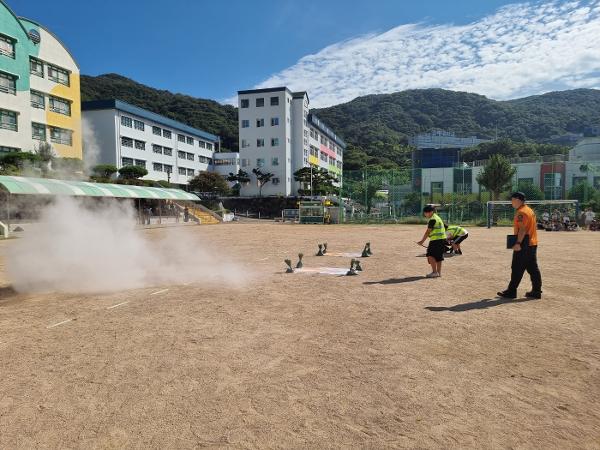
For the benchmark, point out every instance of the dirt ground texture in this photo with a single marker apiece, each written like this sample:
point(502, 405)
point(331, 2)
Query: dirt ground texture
point(386, 359)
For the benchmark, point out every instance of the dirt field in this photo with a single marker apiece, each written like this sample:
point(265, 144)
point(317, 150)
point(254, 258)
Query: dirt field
point(386, 359)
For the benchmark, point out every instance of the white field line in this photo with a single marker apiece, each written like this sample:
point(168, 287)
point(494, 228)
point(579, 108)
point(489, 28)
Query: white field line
point(159, 292)
point(59, 323)
point(119, 304)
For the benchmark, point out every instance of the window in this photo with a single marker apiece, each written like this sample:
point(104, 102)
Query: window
point(182, 171)
point(4, 149)
point(203, 159)
point(126, 162)
point(126, 121)
point(38, 100)
point(181, 138)
point(201, 144)
point(167, 168)
point(190, 156)
point(157, 167)
point(8, 83)
point(305, 133)
point(275, 161)
point(140, 145)
point(209, 146)
point(167, 151)
point(156, 131)
point(245, 123)
point(274, 142)
point(62, 106)
point(36, 67)
point(7, 46)
point(140, 163)
point(58, 75)
point(190, 140)
point(61, 136)
point(553, 186)
point(260, 102)
point(38, 131)
point(138, 125)
point(260, 162)
point(245, 143)
point(274, 101)
point(596, 183)
point(245, 162)
point(437, 187)
point(157, 149)
point(167, 134)
point(126, 142)
point(339, 164)
point(260, 123)
point(245, 103)
point(190, 172)
point(260, 142)
point(578, 180)
point(274, 121)
point(181, 154)
point(324, 157)
point(8, 120)
point(275, 181)
point(523, 181)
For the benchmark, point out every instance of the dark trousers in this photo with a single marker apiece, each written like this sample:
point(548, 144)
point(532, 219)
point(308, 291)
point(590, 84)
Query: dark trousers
point(525, 260)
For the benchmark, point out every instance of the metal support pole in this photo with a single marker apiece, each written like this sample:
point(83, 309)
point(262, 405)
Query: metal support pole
point(160, 212)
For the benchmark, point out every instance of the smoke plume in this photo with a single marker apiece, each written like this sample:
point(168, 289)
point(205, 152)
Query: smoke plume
point(83, 247)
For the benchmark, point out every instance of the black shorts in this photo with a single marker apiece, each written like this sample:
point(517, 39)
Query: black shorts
point(459, 239)
point(436, 249)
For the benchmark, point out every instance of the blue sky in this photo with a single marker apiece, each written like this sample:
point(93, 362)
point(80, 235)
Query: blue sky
point(211, 49)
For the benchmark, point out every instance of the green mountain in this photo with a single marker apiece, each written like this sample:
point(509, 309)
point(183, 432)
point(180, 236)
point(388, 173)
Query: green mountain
point(377, 127)
point(207, 115)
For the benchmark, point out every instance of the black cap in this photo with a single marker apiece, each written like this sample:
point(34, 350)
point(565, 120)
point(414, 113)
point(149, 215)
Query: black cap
point(428, 208)
point(518, 195)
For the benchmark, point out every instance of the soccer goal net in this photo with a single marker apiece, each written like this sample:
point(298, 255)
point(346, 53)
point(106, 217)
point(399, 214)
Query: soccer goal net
point(502, 212)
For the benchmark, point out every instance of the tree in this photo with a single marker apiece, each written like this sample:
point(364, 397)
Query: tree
point(262, 178)
point(103, 172)
point(241, 177)
point(584, 193)
point(531, 191)
point(209, 182)
point(46, 155)
point(497, 175)
point(13, 163)
point(321, 179)
point(132, 172)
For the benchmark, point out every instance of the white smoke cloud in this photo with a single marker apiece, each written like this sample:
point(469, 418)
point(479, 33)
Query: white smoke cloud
point(97, 248)
point(91, 148)
point(522, 49)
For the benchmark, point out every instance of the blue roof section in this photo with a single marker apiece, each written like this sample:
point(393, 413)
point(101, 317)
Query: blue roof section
point(96, 105)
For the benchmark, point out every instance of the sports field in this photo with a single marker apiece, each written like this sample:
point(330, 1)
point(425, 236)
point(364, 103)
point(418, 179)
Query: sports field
point(386, 359)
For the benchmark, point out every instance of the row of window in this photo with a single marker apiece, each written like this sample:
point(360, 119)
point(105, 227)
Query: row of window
point(55, 104)
point(260, 102)
point(8, 121)
point(323, 140)
point(57, 135)
point(260, 162)
point(260, 143)
point(158, 131)
point(226, 162)
point(54, 73)
point(159, 149)
point(260, 122)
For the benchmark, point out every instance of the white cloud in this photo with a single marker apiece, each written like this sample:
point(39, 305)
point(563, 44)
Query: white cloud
point(522, 49)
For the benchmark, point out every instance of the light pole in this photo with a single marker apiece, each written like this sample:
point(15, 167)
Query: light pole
point(311, 182)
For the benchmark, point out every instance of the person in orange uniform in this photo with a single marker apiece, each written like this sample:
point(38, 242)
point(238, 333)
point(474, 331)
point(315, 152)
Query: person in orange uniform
point(524, 251)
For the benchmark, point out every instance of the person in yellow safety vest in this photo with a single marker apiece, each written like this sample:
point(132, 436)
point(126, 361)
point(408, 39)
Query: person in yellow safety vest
point(455, 234)
point(436, 232)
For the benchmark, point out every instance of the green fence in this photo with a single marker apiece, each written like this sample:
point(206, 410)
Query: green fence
point(394, 196)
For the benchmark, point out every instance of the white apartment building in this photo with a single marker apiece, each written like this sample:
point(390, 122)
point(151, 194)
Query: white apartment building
point(121, 134)
point(279, 135)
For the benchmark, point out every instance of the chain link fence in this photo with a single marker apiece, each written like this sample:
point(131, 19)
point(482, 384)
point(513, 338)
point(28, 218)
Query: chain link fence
point(398, 196)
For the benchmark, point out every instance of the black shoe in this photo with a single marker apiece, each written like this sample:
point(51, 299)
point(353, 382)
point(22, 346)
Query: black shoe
point(507, 294)
point(533, 294)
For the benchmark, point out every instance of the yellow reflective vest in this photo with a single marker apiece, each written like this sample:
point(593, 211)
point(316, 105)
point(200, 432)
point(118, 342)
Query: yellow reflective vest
point(439, 231)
